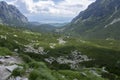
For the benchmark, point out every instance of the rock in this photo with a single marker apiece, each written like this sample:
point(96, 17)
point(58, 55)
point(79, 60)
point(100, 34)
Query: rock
point(3, 37)
point(7, 57)
point(75, 79)
point(61, 41)
point(15, 35)
point(9, 14)
point(3, 73)
point(103, 70)
point(11, 68)
point(16, 50)
point(50, 60)
point(7, 66)
point(30, 48)
point(52, 45)
point(25, 78)
point(2, 61)
point(84, 74)
point(63, 76)
point(1, 57)
point(72, 59)
point(18, 78)
point(95, 73)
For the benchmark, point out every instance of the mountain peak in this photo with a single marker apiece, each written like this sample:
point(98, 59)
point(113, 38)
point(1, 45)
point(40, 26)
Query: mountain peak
point(9, 14)
point(3, 2)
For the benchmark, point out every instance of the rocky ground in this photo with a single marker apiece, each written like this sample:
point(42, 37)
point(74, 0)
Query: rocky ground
point(72, 60)
point(7, 65)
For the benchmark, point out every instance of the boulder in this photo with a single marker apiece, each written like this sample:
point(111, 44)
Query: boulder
point(11, 68)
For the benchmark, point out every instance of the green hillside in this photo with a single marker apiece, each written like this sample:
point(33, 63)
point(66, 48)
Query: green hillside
point(100, 20)
point(37, 50)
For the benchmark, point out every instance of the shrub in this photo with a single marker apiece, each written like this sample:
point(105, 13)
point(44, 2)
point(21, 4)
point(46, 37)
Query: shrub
point(34, 75)
point(26, 58)
point(18, 72)
point(5, 51)
point(41, 74)
point(35, 64)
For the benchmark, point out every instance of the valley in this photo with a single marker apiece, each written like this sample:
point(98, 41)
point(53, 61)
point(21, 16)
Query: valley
point(60, 56)
point(87, 48)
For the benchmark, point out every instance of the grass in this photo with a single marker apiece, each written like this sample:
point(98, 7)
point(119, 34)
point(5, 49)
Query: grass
point(18, 72)
point(103, 53)
point(42, 72)
point(5, 51)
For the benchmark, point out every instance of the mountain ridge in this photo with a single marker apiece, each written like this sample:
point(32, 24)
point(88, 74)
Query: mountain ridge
point(100, 20)
point(10, 15)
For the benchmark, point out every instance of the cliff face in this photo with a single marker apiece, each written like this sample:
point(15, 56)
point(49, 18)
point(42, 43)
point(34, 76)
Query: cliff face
point(9, 14)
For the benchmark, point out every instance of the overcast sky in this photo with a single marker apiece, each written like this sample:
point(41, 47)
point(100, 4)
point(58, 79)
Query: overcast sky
point(50, 10)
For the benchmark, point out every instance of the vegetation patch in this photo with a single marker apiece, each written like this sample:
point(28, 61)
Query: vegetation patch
point(5, 51)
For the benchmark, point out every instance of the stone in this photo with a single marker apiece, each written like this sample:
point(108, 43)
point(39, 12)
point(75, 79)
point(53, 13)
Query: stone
point(7, 56)
point(11, 68)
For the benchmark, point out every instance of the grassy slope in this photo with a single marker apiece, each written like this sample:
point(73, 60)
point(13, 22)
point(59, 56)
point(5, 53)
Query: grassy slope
point(103, 53)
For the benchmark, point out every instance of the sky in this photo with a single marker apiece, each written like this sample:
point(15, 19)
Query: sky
point(50, 11)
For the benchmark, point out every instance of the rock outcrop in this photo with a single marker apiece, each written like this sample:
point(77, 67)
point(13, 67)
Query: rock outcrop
point(10, 15)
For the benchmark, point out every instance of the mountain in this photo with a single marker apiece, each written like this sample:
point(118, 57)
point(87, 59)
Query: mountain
point(40, 27)
point(100, 20)
point(35, 23)
point(58, 24)
point(10, 15)
point(27, 55)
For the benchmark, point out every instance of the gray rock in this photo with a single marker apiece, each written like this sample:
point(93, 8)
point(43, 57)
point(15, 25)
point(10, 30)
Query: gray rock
point(7, 57)
point(11, 68)
point(9, 14)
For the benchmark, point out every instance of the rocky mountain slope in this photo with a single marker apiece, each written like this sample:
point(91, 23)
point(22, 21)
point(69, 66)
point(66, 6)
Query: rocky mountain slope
point(100, 20)
point(10, 15)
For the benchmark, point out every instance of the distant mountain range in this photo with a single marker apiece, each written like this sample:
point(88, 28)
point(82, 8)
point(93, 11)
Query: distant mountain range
point(41, 27)
point(100, 20)
point(58, 24)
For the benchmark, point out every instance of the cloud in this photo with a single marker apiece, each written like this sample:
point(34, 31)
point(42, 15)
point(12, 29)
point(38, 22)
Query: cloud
point(59, 8)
